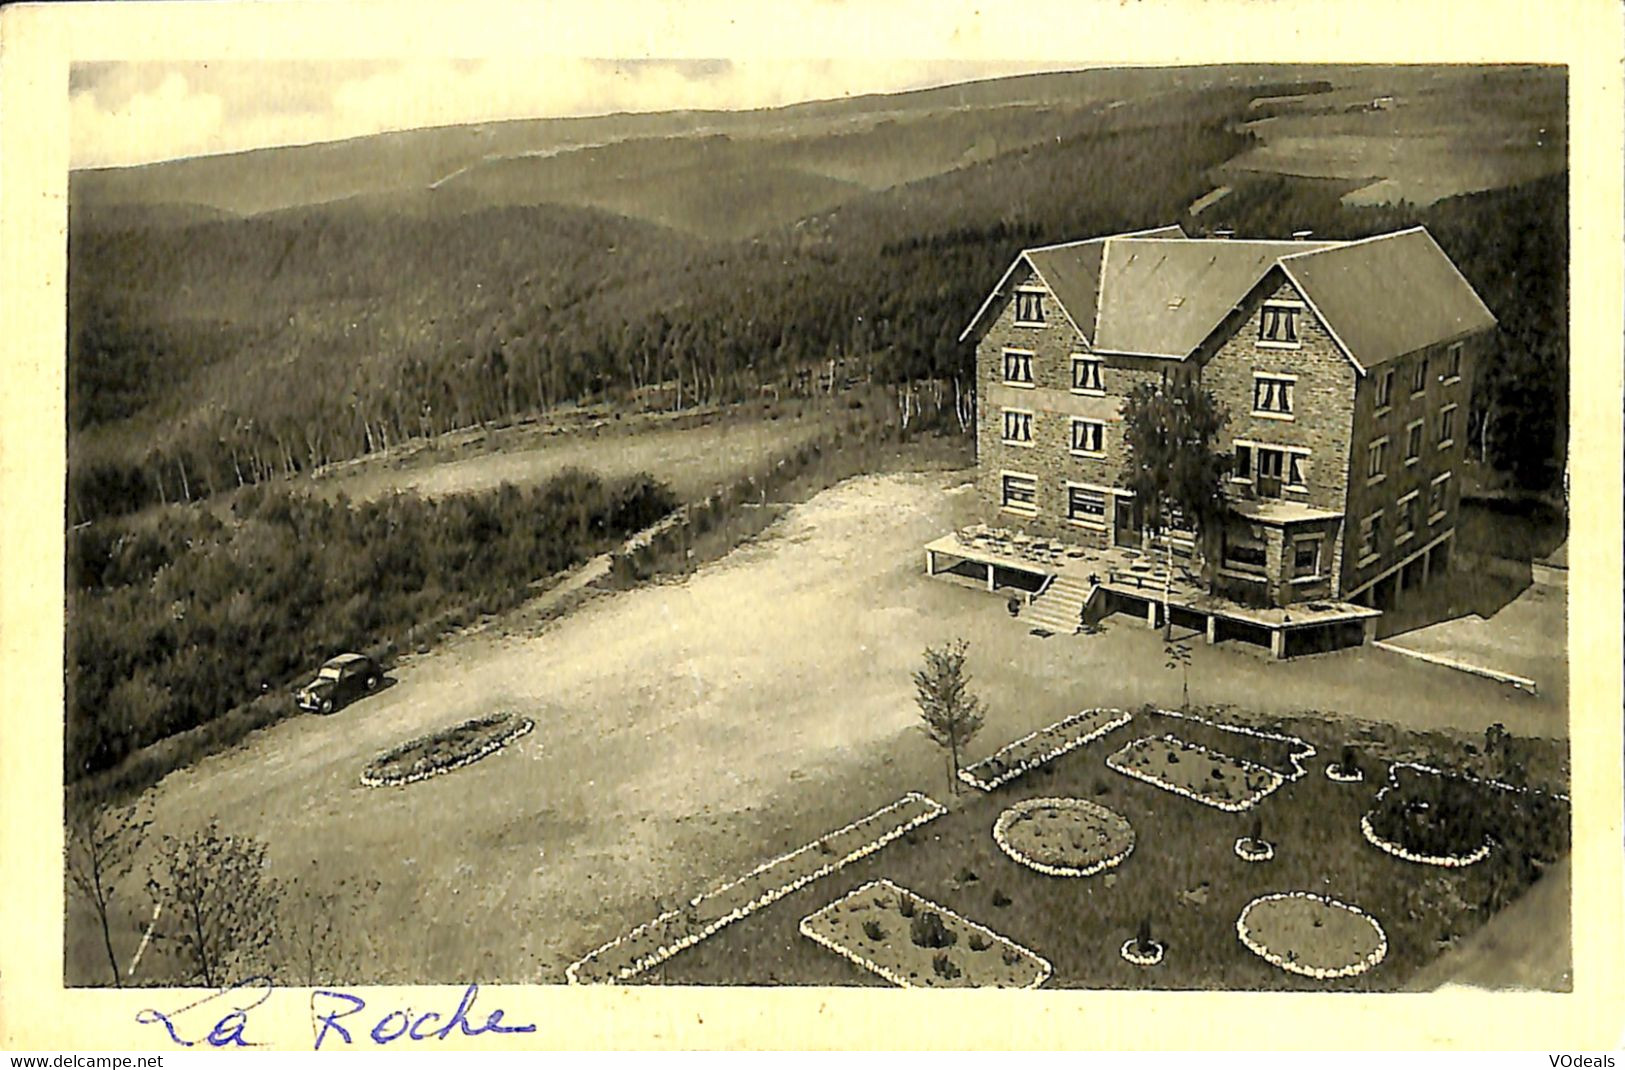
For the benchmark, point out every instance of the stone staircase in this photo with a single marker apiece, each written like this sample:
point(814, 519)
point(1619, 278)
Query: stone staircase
point(1060, 608)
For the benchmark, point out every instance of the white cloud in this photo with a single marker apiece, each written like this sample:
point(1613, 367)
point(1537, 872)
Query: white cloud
point(197, 109)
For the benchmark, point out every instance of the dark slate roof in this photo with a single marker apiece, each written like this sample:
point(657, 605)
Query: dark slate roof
point(1163, 298)
point(1071, 270)
point(1387, 296)
point(1158, 293)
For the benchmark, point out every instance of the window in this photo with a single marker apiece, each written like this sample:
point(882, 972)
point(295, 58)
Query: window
point(1409, 505)
point(1419, 376)
point(1089, 436)
point(1085, 505)
point(1447, 427)
point(1019, 493)
point(1271, 471)
point(1385, 390)
point(1413, 442)
point(1018, 427)
point(1030, 307)
point(1272, 395)
point(1244, 550)
point(1270, 468)
point(1086, 375)
point(1370, 537)
point(1018, 367)
point(1306, 556)
point(1438, 498)
point(1296, 463)
point(1278, 325)
point(1452, 363)
point(1243, 468)
point(1376, 460)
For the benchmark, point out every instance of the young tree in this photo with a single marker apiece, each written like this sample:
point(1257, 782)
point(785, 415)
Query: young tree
point(101, 846)
point(1179, 657)
point(1172, 468)
point(951, 713)
point(220, 906)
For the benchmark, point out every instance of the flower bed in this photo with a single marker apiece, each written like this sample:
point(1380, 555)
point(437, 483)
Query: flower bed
point(658, 940)
point(1191, 770)
point(1434, 819)
point(1064, 837)
point(1251, 850)
point(1045, 745)
point(445, 750)
point(1311, 935)
point(915, 943)
point(1344, 776)
point(1146, 955)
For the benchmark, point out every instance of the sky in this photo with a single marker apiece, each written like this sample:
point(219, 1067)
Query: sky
point(125, 113)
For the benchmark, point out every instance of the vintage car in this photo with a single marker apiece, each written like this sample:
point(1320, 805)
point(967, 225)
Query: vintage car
point(346, 677)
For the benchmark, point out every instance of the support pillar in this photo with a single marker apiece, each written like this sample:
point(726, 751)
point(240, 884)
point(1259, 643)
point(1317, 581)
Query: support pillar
point(930, 563)
point(1212, 629)
point(991, 586)
point(1427, 558)
point(1278, 642)
point(1369, 626)
point(1151, 614)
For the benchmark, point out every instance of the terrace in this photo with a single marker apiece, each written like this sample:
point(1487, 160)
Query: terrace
point(1125, 580)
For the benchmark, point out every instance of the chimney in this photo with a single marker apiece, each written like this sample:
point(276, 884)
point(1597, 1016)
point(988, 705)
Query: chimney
point(1224, 233)
point(1301, 235)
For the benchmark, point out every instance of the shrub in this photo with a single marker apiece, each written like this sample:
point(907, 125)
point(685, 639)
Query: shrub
point(978, 942)
point(927, 930)
point(944, 967)
point(872, 929)
point(905, 905)
point(1000, 899)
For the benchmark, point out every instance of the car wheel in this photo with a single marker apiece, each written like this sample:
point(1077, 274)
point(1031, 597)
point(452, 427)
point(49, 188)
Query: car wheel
point(327, 705)
point(372, 682)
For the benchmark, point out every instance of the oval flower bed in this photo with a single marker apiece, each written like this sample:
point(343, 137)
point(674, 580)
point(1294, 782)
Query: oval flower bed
point(1311, 935)
point(1431, 820)
point(1064, 837)
point(445, 750)
point(1189, 769)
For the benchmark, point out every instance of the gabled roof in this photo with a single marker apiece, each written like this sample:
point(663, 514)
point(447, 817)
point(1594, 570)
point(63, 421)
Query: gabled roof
point(1388, 296)
point(1163, 298)
point(1071, 271)
point(1158, 293)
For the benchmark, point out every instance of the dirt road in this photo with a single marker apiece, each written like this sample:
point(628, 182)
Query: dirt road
point(686, 731)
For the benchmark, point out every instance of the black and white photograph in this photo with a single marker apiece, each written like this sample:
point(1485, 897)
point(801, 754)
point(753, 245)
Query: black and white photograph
point(843, 522)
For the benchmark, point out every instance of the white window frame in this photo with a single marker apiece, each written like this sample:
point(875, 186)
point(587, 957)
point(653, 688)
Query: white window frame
point(1385, 384)
point(1287, 453)
point(1294, 310)
point(1015, 313)
point(1452, 365)
point(1072, 436)
point(1413, 428)
point(1420, 375)
point(1377, 447)
point(1104, 493)
point(1446, 443)
point(1005, 504)
point(1402, 535)
point(1438, 480)
point(1004, 427)
point(1291, 384)
point(1375, 522)
point(1319, 540)
point(1100, 375)
point(1004, 367)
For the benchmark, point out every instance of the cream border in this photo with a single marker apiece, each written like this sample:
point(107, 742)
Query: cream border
point(37, 44)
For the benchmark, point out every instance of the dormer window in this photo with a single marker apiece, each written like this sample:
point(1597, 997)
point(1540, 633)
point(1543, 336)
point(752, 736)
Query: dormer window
point(1030, 308)
point(1278, 324)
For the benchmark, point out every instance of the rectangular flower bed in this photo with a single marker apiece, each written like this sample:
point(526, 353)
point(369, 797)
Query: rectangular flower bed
point(656, 941)
point(1189, 769)
point(1045, 745)
point(915, 943)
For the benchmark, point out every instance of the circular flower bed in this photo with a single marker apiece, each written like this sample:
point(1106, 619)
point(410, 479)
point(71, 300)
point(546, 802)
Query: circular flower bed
point(445, 750)
point(1311, 935)
point(1064, 837)
point(1251, 850)
point(1141, 955)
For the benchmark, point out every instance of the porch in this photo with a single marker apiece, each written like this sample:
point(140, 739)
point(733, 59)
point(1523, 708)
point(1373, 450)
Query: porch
point(1053, 577)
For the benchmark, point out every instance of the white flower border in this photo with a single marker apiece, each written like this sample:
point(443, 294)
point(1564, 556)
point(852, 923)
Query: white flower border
point(1371, 959)
point(1120, 718)
point(1131, 955)
point(933, 811)
point(384, 780)
point(1044, 967)
point(1445, 861)
point(1302, 750)
point(1334, 773)
point(1008, 817)
point(1251, 850)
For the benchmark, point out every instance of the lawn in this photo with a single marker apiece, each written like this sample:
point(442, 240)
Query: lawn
point(1183, 877)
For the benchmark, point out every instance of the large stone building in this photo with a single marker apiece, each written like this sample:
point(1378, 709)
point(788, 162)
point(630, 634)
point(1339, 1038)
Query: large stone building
point(1345, 367)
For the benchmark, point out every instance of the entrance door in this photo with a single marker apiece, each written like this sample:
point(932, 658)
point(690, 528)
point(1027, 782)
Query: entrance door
point(1125, 529)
